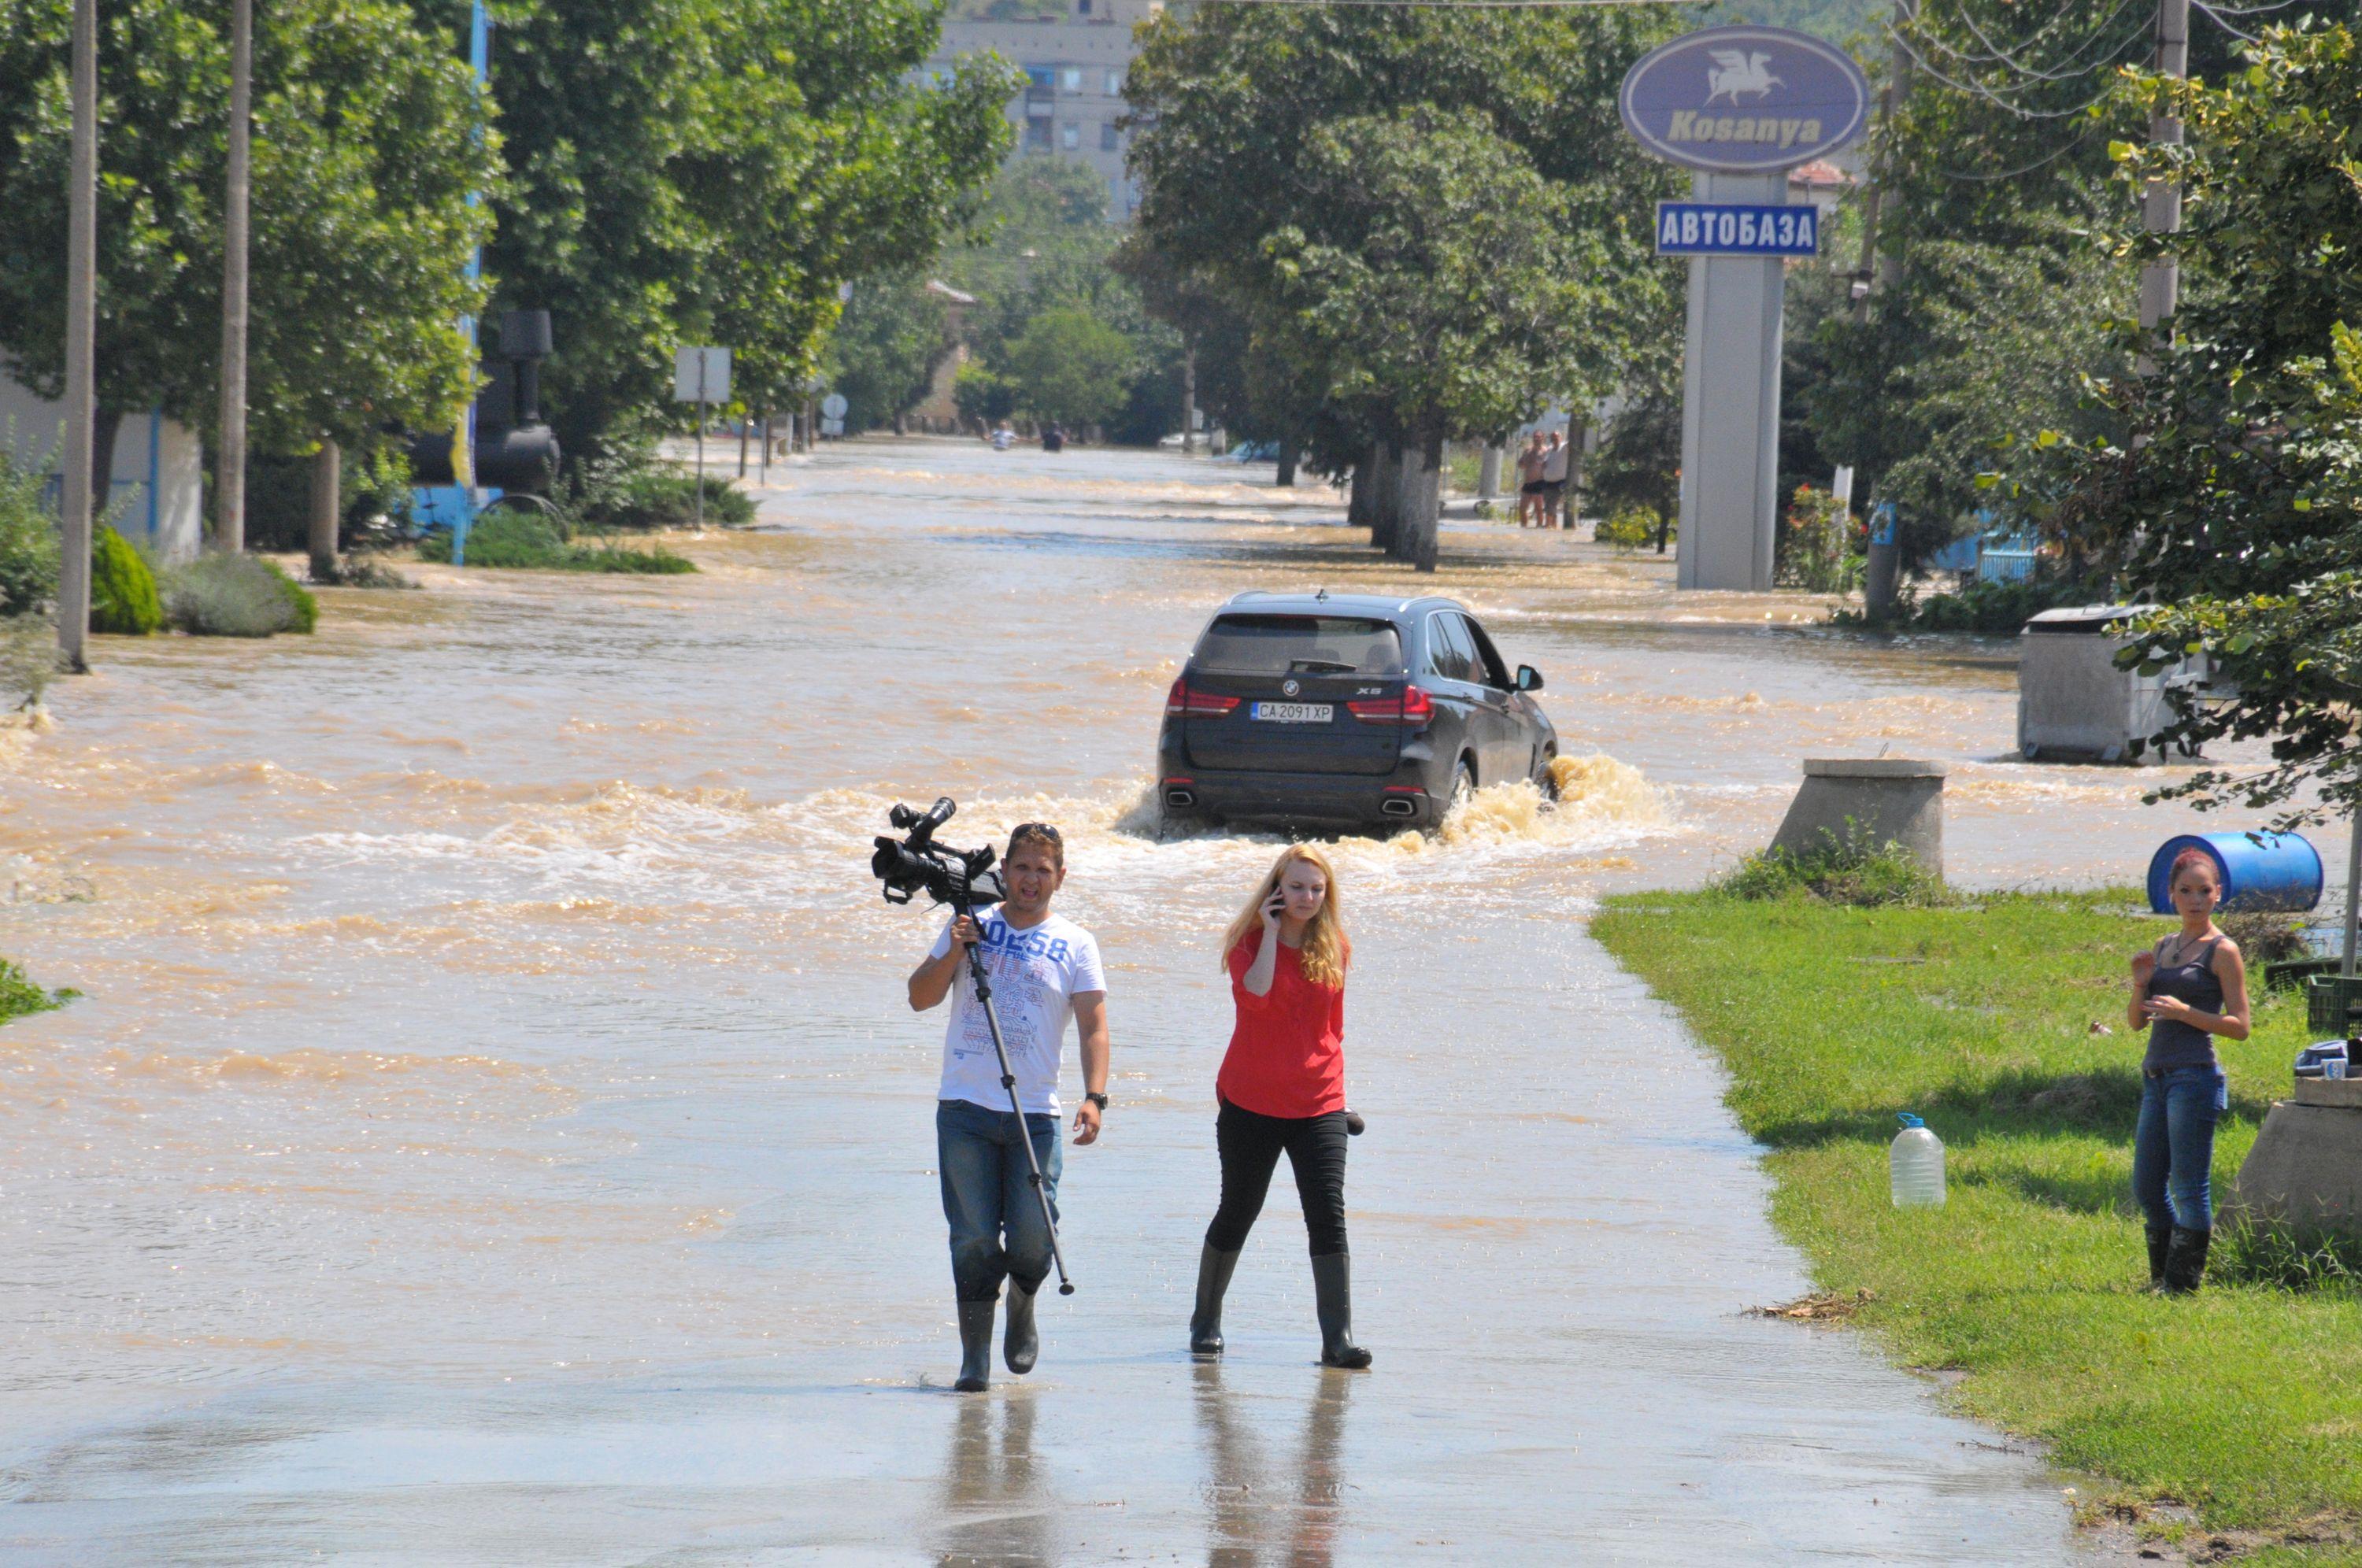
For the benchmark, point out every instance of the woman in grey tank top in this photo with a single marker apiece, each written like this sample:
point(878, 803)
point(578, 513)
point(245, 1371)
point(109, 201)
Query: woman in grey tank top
point(2192, 987)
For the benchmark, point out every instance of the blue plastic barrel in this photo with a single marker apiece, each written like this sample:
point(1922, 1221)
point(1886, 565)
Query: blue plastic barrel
point(2282, 872)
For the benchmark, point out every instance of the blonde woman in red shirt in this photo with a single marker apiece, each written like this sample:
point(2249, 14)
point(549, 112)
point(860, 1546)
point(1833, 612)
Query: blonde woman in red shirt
point(1282, 1087)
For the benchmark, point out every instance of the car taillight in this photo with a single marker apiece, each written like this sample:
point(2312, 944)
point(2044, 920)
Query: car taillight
point(1192, 703)
point(1413, 709)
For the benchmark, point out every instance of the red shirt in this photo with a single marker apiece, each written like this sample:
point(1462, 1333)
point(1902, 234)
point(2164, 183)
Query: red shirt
point(1287, 1052)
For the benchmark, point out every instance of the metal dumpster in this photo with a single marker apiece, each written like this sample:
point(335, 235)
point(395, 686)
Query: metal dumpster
point(2074, 704)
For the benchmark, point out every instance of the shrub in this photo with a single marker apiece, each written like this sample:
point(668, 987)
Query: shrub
point(29, 659)
point(1986, 609)
point(1633, 528)
point(1817, 544)
point(28, 532)
point(518, 540)
point(367, 571)
point(1851, 871)
point(635, 488)
point(221, 595)
point(123, 598)
point(2265, 936)
point(19, 995)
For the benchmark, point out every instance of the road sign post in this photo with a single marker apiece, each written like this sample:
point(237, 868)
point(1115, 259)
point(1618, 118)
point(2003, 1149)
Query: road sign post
point(701, 376)
point(1740, 107)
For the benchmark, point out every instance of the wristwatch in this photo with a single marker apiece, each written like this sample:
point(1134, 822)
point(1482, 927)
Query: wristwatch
point(1096, 1099)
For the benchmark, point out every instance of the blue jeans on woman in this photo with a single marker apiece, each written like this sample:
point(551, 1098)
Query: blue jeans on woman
point(2173, 1146)
point(987, 1196)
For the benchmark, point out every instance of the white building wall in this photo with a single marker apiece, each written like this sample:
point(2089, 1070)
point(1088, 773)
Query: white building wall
point(157, 499)
point(1076, 63)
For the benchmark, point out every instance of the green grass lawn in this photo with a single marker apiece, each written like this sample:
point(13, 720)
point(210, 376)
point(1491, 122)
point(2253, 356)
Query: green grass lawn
point(2244, 1402)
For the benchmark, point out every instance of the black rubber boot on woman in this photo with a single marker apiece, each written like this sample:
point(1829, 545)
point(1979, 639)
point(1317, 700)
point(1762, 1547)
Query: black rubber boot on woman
point(2185, 1260)
point(2159, 1241)
point(1213, 1279)
point(975, 1346)
point(1021, 1346)
point(1332, 1299)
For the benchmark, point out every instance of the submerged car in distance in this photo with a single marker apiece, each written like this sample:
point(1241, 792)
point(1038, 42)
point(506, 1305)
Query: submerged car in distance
point(1345, 712)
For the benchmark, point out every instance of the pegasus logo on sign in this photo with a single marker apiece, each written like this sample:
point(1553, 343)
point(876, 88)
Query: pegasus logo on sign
point(1745, 100)
point(1735, 71)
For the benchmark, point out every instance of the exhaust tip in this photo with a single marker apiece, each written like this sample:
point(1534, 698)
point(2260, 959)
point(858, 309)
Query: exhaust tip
point(1399, 807)
point(1179, 797)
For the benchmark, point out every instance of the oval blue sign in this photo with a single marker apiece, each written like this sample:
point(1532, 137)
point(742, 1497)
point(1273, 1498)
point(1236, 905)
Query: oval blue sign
point(1744, 100)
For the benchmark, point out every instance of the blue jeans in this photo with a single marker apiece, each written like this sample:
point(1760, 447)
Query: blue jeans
point(2173, 1147)
point(987, 1196)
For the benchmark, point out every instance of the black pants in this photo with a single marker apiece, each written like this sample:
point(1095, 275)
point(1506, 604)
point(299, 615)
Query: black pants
point(1250, 1147)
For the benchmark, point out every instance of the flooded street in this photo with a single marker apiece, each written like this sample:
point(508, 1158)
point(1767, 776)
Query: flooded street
point(494, 1131)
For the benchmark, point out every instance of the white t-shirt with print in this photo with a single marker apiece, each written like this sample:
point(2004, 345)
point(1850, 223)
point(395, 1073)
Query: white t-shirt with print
point(1036, 974)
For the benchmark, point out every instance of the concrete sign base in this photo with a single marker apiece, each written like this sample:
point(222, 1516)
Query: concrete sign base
point(2306, 1169)
point(1882, 800)
point(1731, 402)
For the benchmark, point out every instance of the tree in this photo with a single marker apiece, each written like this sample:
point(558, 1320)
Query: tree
point(883, 355)
point(1440, 280)
point(1271, 108)
point(1070, 368)
point(368, 147)
point(2225, 483)
point(694, 169)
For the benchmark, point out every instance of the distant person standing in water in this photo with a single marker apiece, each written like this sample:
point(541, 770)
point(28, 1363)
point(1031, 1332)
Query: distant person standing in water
point(1555, 460)
point(1282, 1088)
point(2192, 987)
point(1529, 481)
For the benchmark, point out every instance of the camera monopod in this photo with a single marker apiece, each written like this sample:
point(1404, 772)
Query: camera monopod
point(983, 983)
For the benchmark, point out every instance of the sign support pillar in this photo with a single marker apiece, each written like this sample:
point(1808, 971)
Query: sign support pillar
point(1730, 402)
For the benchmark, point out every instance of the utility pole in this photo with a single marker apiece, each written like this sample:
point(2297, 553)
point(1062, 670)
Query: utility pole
point(82, 332)
point(1890, 102)
point(2160, 279)
point(1882, 563)
point(229, 485)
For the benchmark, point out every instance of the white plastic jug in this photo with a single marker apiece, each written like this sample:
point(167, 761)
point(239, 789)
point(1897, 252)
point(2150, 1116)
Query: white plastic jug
point(1915, 1165)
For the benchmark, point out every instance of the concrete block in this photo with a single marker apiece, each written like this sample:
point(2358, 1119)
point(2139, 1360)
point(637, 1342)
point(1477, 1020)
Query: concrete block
point(1882, 800)
point(2345, 1092)
point(2306, 1169)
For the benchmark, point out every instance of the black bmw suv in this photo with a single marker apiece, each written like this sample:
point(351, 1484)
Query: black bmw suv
point(1328, 710)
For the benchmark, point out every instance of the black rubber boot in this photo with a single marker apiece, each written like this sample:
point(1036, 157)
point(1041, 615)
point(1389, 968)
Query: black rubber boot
point(1021, 1346)
point(2185, 1261)
point(2159, 1241)
point(975, 1346)
point(1213, 1279)
point(1332, 1297)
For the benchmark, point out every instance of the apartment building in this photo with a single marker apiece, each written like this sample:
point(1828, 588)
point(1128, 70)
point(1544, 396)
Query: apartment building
point(1073, 61)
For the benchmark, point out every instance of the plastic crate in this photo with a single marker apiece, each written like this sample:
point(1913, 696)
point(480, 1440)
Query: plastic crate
point(2333, 1003)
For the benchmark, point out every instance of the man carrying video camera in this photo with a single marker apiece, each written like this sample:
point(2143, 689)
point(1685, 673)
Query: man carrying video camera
point(1043, 969)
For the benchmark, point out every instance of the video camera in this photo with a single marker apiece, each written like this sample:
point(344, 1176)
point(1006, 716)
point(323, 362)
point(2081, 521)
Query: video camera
point(963, 878)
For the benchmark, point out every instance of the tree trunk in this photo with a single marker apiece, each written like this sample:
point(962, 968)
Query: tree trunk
point(1672, 504)
point(1488, 472)
point(1576, 425)
point(1422, 500)
point(328, 487)
point(1386, 496)
point(1286, 480)
point(745, 427)
point(104, 425)
point(1188, 397)
point(1361, 490)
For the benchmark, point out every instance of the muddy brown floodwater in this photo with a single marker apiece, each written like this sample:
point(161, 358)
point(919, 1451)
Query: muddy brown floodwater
point(493, 1131)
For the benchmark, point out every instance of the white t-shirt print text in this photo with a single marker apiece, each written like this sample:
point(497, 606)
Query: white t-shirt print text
point(1037, 975)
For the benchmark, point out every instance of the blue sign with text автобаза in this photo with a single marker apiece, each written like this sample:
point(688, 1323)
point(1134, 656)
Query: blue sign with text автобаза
point(1729, 229)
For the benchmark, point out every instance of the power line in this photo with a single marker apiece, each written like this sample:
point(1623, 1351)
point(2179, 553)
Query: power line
point(2042, 163)
point(2216, 17)
point(1980, 90)
point(2075, 64)
point(1454, 4)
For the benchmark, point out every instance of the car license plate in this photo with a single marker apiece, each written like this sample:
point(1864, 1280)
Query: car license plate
point(1295, 712)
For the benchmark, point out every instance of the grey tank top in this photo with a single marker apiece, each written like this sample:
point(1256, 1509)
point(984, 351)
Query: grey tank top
point(2172, 1043)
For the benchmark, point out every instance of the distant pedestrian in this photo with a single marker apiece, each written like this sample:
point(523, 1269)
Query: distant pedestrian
point(1282, 1087)
point(1554, 471)
point(1529, 481)
point(2192, 987)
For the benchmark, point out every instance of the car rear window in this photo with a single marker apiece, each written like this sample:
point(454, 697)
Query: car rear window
point(1299, 644)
